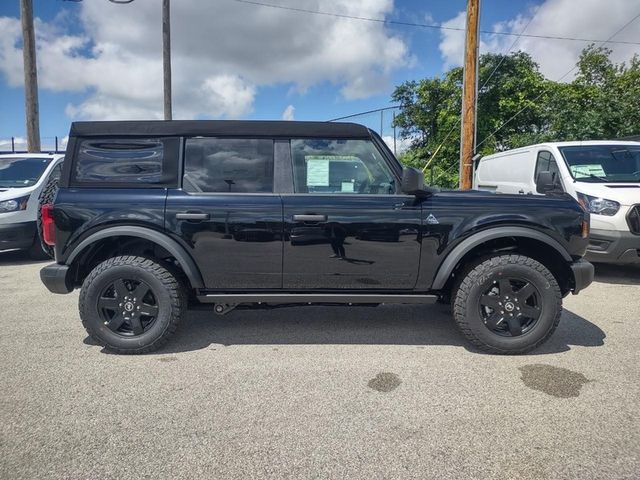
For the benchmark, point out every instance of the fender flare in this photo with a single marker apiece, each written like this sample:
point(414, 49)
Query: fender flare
point(452, 259)
point(174, 248)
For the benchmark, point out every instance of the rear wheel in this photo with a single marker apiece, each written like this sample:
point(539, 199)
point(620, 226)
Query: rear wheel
point(131, 304)
point(507, 304)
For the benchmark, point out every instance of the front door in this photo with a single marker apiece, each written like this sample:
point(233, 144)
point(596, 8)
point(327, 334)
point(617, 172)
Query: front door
point(346, 226)
point(227, 213)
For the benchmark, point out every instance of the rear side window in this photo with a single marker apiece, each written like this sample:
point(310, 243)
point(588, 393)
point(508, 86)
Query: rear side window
point(232, 165)
point(120, 161)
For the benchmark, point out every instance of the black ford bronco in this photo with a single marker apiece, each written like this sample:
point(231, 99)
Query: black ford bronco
point(150, 216)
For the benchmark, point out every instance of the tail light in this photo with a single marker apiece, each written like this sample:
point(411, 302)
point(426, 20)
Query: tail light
point(48, 225)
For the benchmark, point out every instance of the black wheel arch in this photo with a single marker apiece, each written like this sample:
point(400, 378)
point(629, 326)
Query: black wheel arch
point(150, 237)
point(527, 241)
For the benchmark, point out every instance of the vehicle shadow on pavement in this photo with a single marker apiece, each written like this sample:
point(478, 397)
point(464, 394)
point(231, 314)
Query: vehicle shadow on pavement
point(17, 257)
point(384, 325)
point(617, 274)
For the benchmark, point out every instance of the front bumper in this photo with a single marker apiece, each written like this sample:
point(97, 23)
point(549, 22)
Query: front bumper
point(613, 246)
point(56, 278)
point(583, 274)
point(17, 235)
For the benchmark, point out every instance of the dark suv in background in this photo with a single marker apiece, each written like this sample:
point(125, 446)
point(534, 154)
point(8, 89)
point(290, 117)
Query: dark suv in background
point(152, 215)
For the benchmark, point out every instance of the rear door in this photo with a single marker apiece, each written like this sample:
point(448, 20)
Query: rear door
point(228, 214)
point(347, 227)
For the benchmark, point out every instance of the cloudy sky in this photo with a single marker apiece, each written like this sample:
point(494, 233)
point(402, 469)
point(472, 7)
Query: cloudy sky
point(233, 59)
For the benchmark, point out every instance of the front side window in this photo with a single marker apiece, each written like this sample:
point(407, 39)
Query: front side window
point(234, 165)
point(18, 172)
point(547, 163)
point(603, 163)
point(340, 167)
point(110, 160)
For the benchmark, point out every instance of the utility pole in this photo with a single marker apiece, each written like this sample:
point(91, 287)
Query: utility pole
point(469, 95)
point(166, 57)
point(30, 77)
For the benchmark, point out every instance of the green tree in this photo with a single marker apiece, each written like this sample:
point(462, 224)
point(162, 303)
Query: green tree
point(517, 106)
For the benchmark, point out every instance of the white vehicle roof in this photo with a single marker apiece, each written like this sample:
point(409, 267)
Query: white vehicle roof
point(577, 143)
point(54, 156)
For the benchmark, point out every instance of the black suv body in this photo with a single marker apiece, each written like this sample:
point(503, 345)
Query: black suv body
point(153, 215)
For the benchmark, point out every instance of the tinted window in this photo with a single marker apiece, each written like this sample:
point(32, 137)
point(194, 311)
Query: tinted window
point(120, 161)
point(21, 172)
point(237, 165)
point(340, 166)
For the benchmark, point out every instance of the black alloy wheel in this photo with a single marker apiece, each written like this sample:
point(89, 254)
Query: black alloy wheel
point(510, 306)
point(128, 307)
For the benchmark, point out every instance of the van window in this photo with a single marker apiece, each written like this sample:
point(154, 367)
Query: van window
point(340, 166)
point(21, 171)
point(233, 165)
point(110, 160)
point(603, 163)
point(547, 163)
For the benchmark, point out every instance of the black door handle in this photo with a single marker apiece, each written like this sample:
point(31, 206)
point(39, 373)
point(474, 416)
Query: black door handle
point(309, 218)
point(192, 216)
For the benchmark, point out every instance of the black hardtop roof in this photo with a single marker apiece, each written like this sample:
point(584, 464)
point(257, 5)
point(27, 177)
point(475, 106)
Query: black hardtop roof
point(232, 128)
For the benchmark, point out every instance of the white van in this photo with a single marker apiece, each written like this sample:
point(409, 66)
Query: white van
point(604, 176)
point(22, 178)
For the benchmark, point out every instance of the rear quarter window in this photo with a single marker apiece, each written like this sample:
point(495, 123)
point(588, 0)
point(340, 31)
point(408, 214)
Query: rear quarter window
point(108, 161)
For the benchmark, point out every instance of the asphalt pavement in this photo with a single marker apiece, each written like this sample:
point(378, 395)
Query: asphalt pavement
point(319, 392)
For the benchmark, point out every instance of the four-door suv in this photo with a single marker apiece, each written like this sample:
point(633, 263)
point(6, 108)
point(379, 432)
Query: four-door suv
point(152, 215)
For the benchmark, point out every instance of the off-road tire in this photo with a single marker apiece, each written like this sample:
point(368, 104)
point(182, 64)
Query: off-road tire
point(167, 289)
point(468, 289)
point(47, 195)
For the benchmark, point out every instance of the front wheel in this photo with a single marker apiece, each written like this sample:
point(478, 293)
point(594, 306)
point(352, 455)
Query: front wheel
point(131, 304)
point(507, 304)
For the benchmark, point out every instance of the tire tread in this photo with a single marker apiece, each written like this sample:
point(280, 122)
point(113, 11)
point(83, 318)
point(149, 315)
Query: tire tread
point(177, 297)
point(471, 276)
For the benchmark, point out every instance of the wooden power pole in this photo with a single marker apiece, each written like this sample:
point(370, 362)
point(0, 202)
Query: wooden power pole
point(30, 76)
point(166, 57)
point(469, 96)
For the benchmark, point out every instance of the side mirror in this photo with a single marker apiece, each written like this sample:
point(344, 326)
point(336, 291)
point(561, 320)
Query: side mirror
point(412, 181)
point(545, 182)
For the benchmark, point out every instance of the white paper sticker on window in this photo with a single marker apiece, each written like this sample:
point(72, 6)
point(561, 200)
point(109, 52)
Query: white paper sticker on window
point(587, 170)
point(347, 187)
point(317, 173)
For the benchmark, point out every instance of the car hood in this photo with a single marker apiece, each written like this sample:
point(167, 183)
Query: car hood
point(623, 193)
point(9, 193)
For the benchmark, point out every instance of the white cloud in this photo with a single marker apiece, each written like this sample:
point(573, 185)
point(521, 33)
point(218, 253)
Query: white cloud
point(223, 52)
point(288, 113)
point(402, 144)
point(595, 19)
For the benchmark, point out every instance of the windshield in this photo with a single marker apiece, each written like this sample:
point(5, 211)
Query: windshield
point(603, 163)
point(21, 172)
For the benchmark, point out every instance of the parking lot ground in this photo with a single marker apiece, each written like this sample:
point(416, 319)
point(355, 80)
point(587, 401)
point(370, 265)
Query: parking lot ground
point(319, 392)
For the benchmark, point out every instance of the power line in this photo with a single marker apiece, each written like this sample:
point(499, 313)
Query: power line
point(364, 113)
point(558, 80)
point(424, 25)
point(486, 82)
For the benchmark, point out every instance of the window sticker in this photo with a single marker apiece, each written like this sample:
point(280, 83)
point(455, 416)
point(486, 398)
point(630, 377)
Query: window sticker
point(347, 187)
point(580, 171)
point(317, 172)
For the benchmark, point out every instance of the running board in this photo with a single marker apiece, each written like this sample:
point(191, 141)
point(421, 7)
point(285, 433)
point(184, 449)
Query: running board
point(346, 298)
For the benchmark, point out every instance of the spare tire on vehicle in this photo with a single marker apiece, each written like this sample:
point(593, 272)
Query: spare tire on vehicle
point(48, 195)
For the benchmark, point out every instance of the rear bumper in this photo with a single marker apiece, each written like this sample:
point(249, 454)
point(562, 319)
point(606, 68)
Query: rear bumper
point(56, 278)
point(612, 246)
point(17, 235)
point(583, 274)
